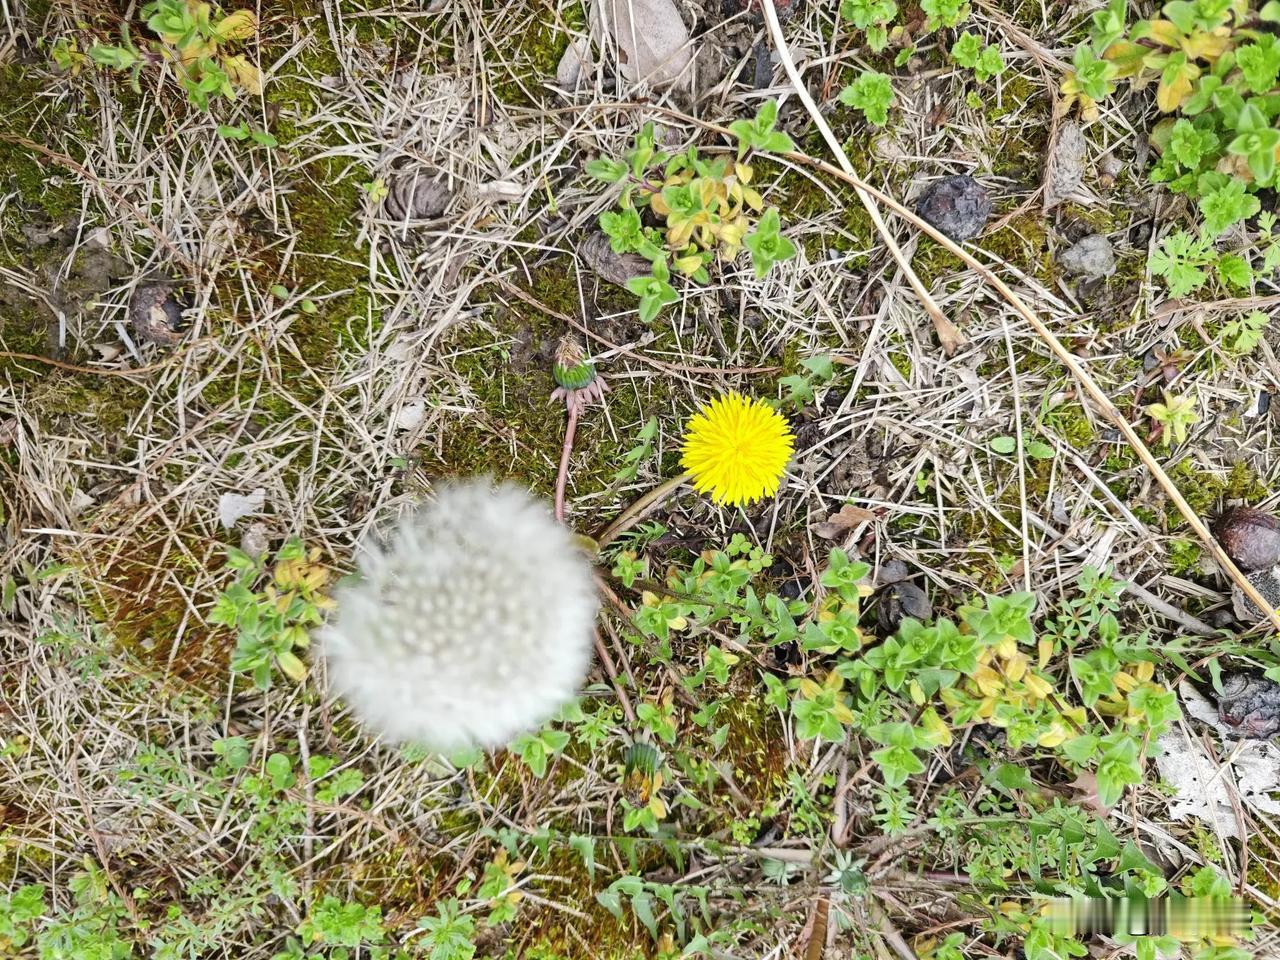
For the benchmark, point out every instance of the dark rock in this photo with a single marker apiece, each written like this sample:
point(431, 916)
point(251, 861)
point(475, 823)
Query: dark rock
point(983, 742)
point(1220, 619)
point(957, 206)
point(417, 194)
point(1250, 537)
point(898, 601)
point(791, 589)
point(891, 571)
point(1250, 705)
point(786, 654)
point(155, 313)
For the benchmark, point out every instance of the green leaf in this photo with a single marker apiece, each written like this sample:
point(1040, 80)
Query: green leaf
point(966, 49)
point(872, 93)
point(1226, 205)
point(1005, 445)
point(606, 169)
point(585, 848)
point(1234, 271)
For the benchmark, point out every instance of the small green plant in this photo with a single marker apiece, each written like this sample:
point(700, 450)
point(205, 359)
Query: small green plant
point(272, 621)
point(192, 36)
point(1243, 334)
point(685, 213)
point(539, 749)
point(243, 131)
point(872, 17)
point(1215, 66)
point(638, 454)
point(1181, 259)
point(18, 913)
point(944, 13)
point(1175, 415)
point(799, 387)
point(872, 93)
point(335, 923)
point(984, 61)
point(450, 934)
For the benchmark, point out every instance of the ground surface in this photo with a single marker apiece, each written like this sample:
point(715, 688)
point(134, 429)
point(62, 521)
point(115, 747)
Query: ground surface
point(337, 365)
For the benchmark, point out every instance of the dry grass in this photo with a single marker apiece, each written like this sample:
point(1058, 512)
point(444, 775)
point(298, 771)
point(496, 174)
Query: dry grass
point(427, 355)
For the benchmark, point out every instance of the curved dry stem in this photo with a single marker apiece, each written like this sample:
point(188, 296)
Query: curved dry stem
point(562, 475)
point(637, 510)
point(949, 334)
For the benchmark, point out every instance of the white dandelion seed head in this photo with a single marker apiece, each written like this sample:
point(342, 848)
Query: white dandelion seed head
point(472, 626)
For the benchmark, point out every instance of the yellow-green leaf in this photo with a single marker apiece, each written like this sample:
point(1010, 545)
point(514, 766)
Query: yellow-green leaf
point(240, 25)
point(243, 74)
point(292, 667)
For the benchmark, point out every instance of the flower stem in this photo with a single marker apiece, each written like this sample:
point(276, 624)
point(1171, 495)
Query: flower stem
point(562, 477)
point(638, 509)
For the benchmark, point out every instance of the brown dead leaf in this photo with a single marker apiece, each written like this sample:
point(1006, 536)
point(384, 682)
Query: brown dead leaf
point(838, 524)
point(1084, 791)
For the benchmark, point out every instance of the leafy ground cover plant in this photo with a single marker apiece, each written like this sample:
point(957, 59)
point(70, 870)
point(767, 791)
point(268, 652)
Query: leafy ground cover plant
point(273, 621)
point(194, 38)
point(1214, 65)
point(1070, 689)
point(686, 212)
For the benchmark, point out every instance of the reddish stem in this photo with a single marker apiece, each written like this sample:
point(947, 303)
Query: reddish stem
point(562, 477)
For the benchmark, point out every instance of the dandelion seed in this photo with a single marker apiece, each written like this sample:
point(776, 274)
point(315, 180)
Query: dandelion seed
point(472, 626)
point(736, 449)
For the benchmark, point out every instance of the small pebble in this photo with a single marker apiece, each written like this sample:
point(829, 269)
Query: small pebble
point(255, 540)
point(891, 571)
point(1220, 619)
point(957, 206)
point(616, 268)
point(1251, 537)
point(416, 194)
point(1092, 257)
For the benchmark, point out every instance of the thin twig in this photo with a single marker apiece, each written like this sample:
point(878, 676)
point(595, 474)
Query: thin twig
point(76, 368)
point(948, 334)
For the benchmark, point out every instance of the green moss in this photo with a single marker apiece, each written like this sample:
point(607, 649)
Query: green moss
point(1184, 556)
point(527, 53)
point(1070, 423)
point(147, 614)
point(1204, 491)
point(1014, 93)
point(36, 179)
point(103, 404)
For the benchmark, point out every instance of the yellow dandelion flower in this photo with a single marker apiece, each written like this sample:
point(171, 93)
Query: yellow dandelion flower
point(735, 449)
